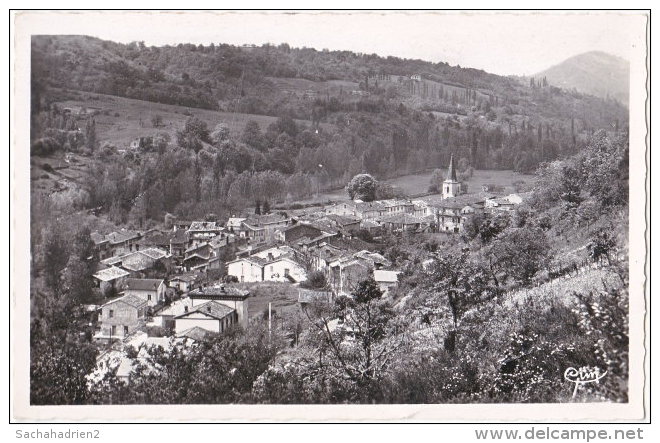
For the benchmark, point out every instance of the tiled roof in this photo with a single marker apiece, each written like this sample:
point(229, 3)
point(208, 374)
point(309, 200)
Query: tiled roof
point(459, 201)
point(195, 333)
point(366, 206)
point(179, 236)
point(122, 236)
point(185, 277)
point(131, 300)
point(219, 291)
point(136, 261)
point(110, 273)
point(260, 220)
point(342, 219)
point(212, 309)
point(235, 222)
point(111, 260)
point(141, 284)
point(154, 253)
point(97, 238)
point(156, 239)
point(204, 226)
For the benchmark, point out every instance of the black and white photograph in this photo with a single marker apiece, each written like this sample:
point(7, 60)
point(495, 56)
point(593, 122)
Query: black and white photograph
point(338, 208)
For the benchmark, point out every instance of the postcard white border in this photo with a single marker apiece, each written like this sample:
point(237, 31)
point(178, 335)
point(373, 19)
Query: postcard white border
point(25, 24)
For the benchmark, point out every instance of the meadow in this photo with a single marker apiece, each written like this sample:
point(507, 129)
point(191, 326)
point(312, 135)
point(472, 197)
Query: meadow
point(121, 120)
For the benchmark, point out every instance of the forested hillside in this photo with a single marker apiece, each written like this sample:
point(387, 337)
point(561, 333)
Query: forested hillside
point(338, 113)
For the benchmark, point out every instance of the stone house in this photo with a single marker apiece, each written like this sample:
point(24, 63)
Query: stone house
point(121, 317)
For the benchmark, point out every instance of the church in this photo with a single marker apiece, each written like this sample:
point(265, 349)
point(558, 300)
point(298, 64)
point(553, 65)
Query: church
point(454, 208)
point(451, 187)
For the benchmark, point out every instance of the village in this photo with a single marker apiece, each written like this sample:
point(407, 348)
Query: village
point(177, 286)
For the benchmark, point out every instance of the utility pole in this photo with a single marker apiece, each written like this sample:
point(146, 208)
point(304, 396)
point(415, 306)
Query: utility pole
point(269, 320)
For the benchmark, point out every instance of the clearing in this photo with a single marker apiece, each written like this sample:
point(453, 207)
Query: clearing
point(121, 120)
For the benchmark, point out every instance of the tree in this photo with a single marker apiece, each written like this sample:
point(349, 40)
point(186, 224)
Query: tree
point(462, 283)
point(220, 134)
point(90, 134)
point(56, 256)
point(58, 369)
point(601, 244)
point(220, 369)
point(362, 187)
point(373, 326)
point(521, 252)
point(571, 185)
point(194, 132)
point(265, 207)
point(257, 207)
point(78, 279)
point(437, 177)
point(315, 280)
point(157, 121)
point(252, 136)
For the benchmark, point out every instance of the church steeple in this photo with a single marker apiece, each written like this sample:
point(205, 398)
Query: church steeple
point(451, 172)
point(451, 187)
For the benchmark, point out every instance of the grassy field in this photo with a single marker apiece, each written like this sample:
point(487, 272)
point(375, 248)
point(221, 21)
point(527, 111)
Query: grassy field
point(299, 85)
point(121, 120)
point(416, 184)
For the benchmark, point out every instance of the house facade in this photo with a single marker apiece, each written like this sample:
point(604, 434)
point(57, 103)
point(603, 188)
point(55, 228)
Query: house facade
point(110, 278)
point(247, 269)
point(211, 316)
point(120, 317)
point(148, 289)
point(284, 269)
point(296, 232)
point(228, 296)
point(262, 228)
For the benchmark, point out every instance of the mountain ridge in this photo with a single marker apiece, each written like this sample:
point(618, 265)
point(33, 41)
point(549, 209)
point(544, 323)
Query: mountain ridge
point(596, 73)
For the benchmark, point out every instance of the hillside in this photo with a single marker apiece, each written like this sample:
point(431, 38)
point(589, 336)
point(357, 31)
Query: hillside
point(596, 73)
point(232, 126)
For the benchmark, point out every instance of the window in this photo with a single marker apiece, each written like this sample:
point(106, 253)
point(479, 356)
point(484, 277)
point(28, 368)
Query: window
point(125, 330)
point(286, 271)
point(149, 297)
point(111, 313)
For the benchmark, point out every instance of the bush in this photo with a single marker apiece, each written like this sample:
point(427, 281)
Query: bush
point(315, 280)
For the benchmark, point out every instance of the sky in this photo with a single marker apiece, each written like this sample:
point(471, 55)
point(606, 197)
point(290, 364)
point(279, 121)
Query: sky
point(505, 43)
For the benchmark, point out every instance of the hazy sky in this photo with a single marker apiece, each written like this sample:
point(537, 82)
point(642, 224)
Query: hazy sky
point(502, 43)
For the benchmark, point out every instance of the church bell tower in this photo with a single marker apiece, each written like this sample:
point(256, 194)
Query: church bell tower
point(451, 187)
